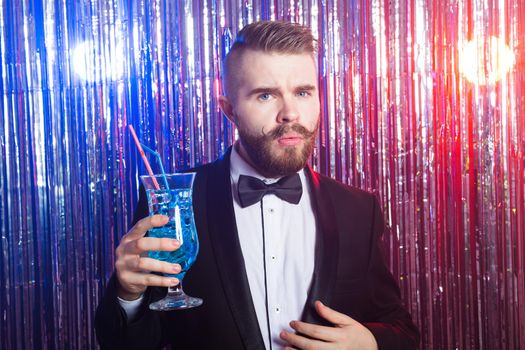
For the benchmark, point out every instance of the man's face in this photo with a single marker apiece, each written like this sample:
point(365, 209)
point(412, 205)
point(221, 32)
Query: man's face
point(274, 103)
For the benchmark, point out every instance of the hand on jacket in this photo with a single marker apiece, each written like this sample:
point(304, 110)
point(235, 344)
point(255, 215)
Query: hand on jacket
point(133, 267)
point(346, 334)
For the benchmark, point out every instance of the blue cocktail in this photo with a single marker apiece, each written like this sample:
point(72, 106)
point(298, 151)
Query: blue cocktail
point(176, 203)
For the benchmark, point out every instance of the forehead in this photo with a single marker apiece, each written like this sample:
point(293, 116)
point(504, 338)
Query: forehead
point(272, 68)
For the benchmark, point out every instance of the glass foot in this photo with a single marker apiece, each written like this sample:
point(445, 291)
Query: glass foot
point(178, 302)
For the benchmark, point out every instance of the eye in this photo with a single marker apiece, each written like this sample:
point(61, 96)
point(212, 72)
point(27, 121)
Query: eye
point(264, 97)
point(303, 93)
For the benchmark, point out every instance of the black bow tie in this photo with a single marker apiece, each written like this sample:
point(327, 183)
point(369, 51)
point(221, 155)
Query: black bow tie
point(251, 190)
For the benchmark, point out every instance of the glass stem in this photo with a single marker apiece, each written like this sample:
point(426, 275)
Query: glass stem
point(176, 290)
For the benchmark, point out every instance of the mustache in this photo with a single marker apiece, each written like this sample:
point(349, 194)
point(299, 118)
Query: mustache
point(281, 130)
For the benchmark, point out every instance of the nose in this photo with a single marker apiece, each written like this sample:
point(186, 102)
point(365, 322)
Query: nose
point(288, 111)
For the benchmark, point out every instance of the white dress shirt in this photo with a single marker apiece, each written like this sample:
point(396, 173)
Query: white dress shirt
point(289, 231)
point(289, 242)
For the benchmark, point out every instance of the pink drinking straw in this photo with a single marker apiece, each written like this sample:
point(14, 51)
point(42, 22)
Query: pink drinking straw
point(143, 155)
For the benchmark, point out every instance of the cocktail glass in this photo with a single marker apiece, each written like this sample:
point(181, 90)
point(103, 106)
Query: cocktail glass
point(176, 203)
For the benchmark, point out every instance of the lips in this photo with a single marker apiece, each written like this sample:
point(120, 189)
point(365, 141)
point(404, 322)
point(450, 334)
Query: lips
point(290, 139)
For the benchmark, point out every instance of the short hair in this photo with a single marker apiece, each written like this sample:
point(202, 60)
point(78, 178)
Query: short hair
point(268, 36)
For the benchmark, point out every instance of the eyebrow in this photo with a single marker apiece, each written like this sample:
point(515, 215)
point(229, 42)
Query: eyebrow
point(262, 90)
point(306, 87)
point(274, 90)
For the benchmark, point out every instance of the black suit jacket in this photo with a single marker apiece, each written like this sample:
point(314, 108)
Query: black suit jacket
point(349, 275)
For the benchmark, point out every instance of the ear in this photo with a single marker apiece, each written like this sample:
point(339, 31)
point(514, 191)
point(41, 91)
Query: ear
point(226, 108)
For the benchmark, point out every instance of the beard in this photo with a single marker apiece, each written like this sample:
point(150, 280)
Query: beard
point(270, 164)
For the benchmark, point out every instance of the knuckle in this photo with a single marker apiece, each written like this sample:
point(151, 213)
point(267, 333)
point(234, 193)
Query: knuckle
point(138, 227)
point(140, 224)
point(166, 243)
point(153, 220)
point(148, 280)
point(146, 223)
point(168, 267)
point(141, 264)
point(166, 282)
point(171, 282)
point(316, 333)
point(119, 264)
point(139, 244)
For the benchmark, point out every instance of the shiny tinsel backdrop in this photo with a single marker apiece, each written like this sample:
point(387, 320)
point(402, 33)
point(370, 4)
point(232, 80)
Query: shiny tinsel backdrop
point(424, 103)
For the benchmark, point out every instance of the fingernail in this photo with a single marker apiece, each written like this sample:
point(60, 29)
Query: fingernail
point(175, 243)
point(292, 324)
point(174, 281)
point(175, 268)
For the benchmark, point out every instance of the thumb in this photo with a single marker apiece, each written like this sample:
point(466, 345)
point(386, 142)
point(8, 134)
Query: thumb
point(337, 318)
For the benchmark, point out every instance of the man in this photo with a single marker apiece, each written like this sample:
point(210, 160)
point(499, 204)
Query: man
point(290, 261)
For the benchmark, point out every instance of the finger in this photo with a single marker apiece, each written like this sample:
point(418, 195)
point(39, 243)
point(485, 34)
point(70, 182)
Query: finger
point(146, 244)
point(137, 263)
point(300, 342)
point(150, 280)
point(315, 331)
point(333, 316)
point(143, 225)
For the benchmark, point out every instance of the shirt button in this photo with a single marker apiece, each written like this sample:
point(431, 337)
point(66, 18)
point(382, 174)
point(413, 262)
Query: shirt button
point(271, 210)
point(277, 310)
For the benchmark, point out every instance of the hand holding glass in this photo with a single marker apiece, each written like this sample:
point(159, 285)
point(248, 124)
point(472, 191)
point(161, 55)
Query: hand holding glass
point(174, 199)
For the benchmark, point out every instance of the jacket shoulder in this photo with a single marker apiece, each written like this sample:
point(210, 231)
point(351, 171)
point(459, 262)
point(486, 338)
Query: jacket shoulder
point(341, 190)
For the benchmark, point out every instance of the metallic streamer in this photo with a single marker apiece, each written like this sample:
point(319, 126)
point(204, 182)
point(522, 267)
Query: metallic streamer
point(444, 150)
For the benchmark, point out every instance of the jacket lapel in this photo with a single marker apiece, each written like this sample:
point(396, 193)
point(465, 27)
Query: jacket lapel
point(326, 251)
point(225, 242)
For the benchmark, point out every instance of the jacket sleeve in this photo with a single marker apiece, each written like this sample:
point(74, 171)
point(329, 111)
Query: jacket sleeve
point(111, 325)
point(390, 322)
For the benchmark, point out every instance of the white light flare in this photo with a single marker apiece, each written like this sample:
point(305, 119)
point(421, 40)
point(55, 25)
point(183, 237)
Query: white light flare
point(485, 62)
point(91, 66)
